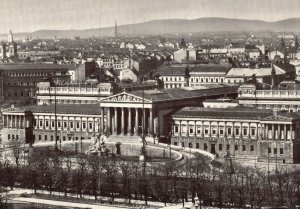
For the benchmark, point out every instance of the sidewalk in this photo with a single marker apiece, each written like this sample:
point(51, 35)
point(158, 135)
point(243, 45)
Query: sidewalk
point(15, 196)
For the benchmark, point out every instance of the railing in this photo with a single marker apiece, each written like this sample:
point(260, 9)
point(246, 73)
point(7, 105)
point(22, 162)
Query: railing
point(293, 94)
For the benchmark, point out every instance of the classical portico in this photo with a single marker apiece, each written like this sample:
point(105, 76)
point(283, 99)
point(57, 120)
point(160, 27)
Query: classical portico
point(125, 113)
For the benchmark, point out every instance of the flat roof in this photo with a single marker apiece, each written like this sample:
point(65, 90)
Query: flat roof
point(25, 66)
point(239, 112)
point(88, 109)
point(186, 92)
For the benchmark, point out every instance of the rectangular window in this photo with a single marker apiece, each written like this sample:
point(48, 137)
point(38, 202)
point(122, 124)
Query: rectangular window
point(58, 124)
point(245, 132)
point(175, 143)
point(191, 130)
point(52, 124)
point(51, 137)
point(76, 138)
point(206, 131)
point(90, 125)
point(252, 131)
point(47, 123)
point(71, 124)
point(198, 130)
point(8, 136)
point(244, 148)
point(190, 145)
point(77, 125)
point(228, 147)
point(237, 131)
point(220, 147)
point(205, 146)
point(275, 151)
point(269, 150)
point(176, 129)
point(13, 136)
point(236, 147)
point(281, 151)
point(214, 131)
point(65, 124)
point(64, 138)
point(197, 145)
point(221, 131)
point(252, 148)
point(41, 123)
point(229, 131)
point(17, 137)
point(40, 137)
point(84, 125)
point(45, 137)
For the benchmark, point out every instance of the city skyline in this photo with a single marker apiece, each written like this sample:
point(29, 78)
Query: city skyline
point(35, 15)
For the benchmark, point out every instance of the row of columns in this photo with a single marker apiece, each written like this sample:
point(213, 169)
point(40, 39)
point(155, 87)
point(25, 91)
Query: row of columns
point(210, 128)
point(51, 123)
point(128, 121)
point(276, 131)
point(14, 121)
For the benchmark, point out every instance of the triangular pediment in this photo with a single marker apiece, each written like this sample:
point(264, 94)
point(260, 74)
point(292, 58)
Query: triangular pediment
point(13, 109)
point(278, 118)
point(126, 98)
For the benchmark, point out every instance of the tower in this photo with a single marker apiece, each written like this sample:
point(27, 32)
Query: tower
point(10, 37)
point(116, 29)
point(2, 50)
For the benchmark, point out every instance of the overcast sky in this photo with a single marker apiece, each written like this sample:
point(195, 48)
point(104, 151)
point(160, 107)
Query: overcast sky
point(31, 15)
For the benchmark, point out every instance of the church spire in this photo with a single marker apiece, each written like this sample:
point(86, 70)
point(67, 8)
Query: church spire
point(116, 29)
point(10, 37)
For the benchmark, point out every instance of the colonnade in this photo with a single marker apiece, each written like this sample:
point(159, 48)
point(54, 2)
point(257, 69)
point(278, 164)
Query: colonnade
point(279, 131)
point(128, 121)
point(14, 121)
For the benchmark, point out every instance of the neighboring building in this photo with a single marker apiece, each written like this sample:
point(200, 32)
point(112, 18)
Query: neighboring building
point(36, 124)
point(128, 75)
point(87, 70)
point(9, 49)
point(19, 81)
point(173, 76)
point(79, 93)
point(262, 75)
point(239, 131)
point(284, 97)
point(208, 73)
point(36, 54)
point(185, 56)
point(275, 54)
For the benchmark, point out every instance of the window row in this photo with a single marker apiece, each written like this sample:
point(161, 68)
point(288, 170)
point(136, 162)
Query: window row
point(65, 124)
point(207, 80)
point(184, 130)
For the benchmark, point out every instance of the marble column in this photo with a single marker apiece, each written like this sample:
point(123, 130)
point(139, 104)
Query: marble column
point(187, 129)
point(136, 121)
point(180, 131)
point(122, 121)
point(195, 129)
point(279, 132)
point(108, 121)
point(129, 122)
point(151, 121)
point(202, 129)
point(249, 130)
point(291, 131)
point(102, 120)
point(116, 121)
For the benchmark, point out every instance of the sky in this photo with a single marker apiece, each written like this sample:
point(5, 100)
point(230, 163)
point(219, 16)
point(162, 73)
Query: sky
point(32, 15)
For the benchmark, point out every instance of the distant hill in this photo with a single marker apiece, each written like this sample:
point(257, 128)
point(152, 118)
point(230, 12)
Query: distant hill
point(172, 26)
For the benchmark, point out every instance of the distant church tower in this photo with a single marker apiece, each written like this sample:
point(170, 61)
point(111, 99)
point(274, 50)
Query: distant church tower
point(116, 30)
point(10, 37)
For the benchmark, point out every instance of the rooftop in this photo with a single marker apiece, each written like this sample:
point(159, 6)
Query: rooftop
point(239, 112)
point(248, 72)
point(89, 109)
point(33, 66)
point(187, 92)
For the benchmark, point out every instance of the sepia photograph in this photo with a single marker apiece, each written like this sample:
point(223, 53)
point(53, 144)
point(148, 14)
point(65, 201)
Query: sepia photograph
point(150, 104)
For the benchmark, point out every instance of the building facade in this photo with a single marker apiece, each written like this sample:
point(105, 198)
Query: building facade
point(238, 131)
point(19, 81)
point(36, 124)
